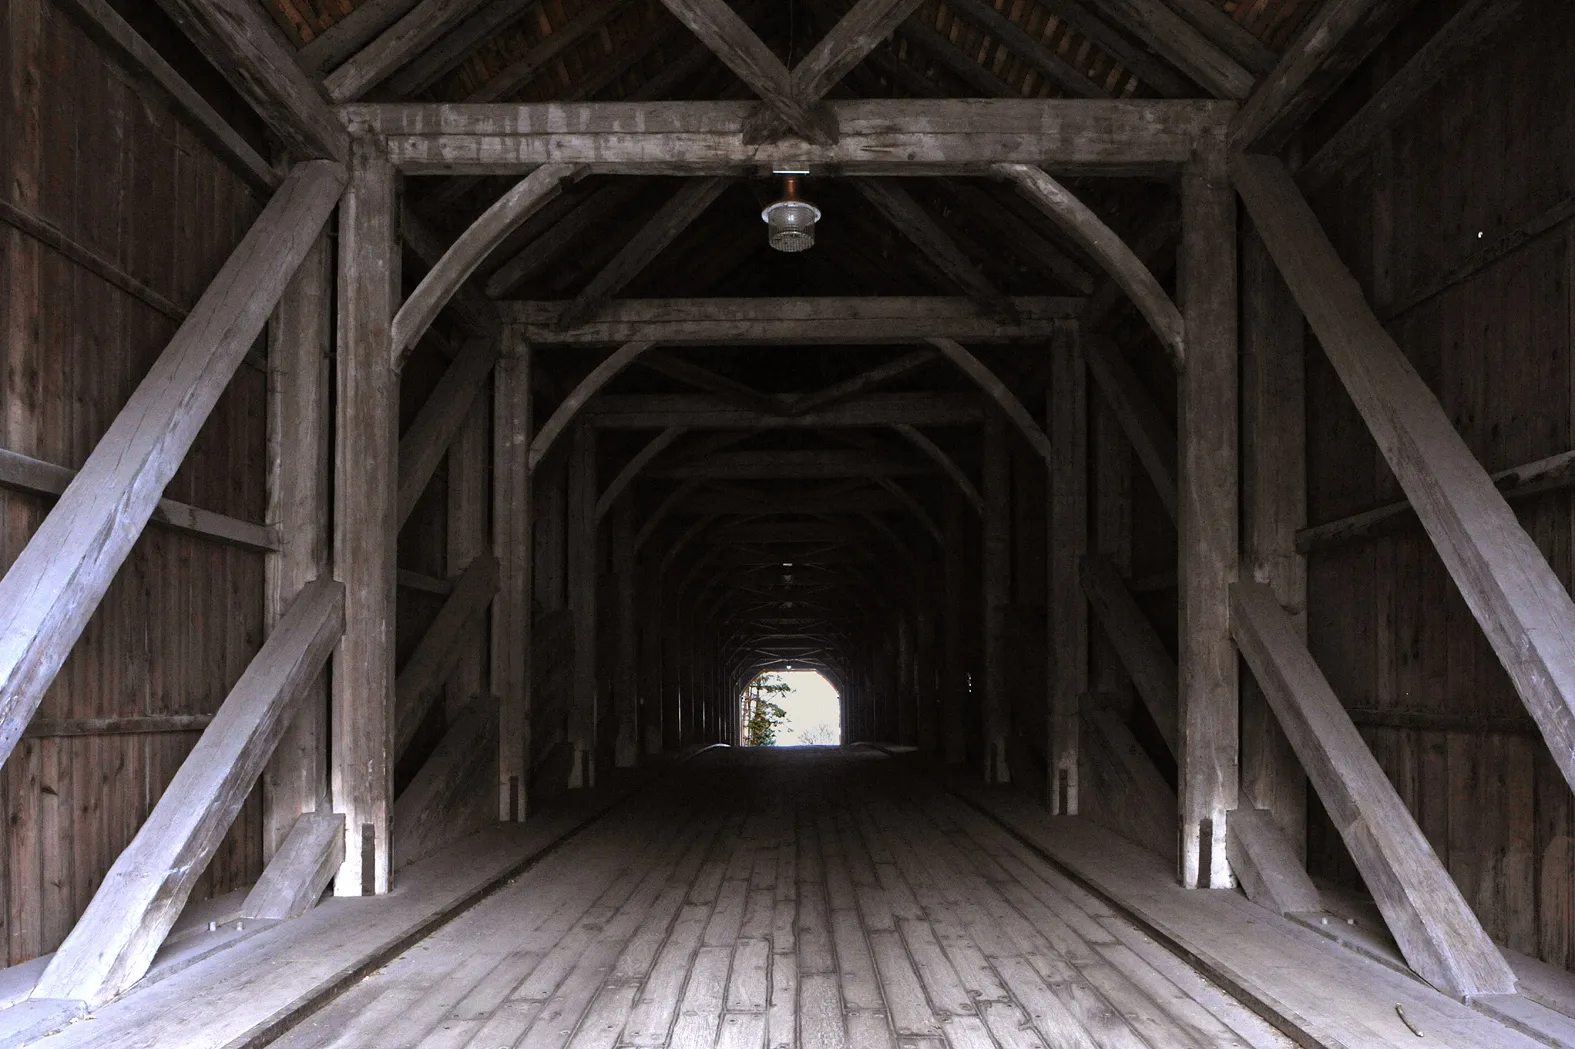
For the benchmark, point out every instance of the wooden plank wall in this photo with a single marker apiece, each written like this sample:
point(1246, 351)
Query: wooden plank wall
point(1432, 221)
point(118, 173)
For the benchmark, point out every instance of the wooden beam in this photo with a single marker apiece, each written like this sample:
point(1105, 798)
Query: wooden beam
point(300, 870)
point(1126, 793)
point(1057, 70)
point(582, 593)
point(468, 535)
point(879, 136)
point(998, 392)
point(1517, 599)
point(1434, 927)
point(1336, 39)
point(1074, 218)
point(1066, 512)
point(1150, 435)
point(1136, 642)
point(426, 442)
point(483, 28)
point(879, 375)
point(1005, 224)
point(1268, 867)
point(359, 27)
point(1177, 41)
point(54, 585)
point(366, 442)
point(588, 387)
point(729, 37)
point(513, 538)
point(1207, 504)
point(1274, 497)
point(660, 230)
point(113, 943)
point(238, 41)
point(948, 465)
point(995, 571)
point(658, 411)
point(1156, 239)
point(1462, 38)
point(654, 447)
point(472, 309)
point(824, 463)
point(853, 319)
point(1229, 35)
point(626, 702)
point(1148, 67)
point(729, 390)
point(421, 679)
point(421, 27)
point(106, 26)
point(451, 795)
point(913, 222)
point(471, 249)
point(300, 463)
point(27, 474)
point(535, 256)
point(43, 728)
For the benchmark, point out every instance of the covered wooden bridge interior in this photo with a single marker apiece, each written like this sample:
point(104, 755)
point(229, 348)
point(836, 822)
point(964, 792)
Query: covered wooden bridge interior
point(412, 448)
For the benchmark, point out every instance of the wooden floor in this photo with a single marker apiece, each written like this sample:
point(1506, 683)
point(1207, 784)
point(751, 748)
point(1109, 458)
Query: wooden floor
point(811, 898)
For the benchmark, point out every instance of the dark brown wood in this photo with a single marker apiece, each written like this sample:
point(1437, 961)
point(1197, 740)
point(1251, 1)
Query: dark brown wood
point(996, 569)
point(1150, 436)
point(513, 533)
point(42, 728)
point(423, 446)
point(582, 591)
point(420, 27)
point(421, 679)
point(1176, 40)
point(1136, 642)
point(1067, 534)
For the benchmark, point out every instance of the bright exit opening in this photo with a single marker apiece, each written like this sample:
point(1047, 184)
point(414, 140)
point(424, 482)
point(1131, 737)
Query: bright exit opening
point(791, 708)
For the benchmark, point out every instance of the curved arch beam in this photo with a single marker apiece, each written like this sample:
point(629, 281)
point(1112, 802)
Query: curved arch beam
point(589, 387)
point(948, 465)
point(991, 384)
point(913, 505)
point(471, 249)
point(656, 446)
point(677, 496)
point(1076, 220)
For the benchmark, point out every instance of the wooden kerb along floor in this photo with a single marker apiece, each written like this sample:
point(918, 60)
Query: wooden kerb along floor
point(788, 898)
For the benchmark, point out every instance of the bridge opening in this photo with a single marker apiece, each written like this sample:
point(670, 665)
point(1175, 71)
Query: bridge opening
point(790, 708)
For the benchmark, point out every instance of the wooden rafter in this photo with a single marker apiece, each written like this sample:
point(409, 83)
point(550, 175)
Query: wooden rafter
point(998, 392)
point(422, 26)
point(588, 387)
point(1182, 45)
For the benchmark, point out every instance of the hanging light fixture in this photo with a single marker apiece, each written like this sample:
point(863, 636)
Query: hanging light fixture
point(791, 221)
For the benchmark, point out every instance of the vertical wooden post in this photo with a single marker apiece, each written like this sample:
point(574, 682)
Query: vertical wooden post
point(513, 546)
point(365, 481)
point(468, 536)
point(626, 703)
point(649, 676)
point(300, 343)
point(582, 603)
point(1068, 531)
point(675, 731)
point(954, 735)
point(1275, 496)
point(997, 571)
point(1206, 519)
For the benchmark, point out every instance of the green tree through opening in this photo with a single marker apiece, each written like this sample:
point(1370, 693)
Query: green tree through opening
point(761, 714)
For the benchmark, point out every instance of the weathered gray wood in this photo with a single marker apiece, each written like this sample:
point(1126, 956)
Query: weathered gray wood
point(299, 873)
point(582, 592)
point(1545, 475)
point(535, 256)
point(1067, 614)
point(998, 392)
point(471, 249)
point(423, 446)
point(366, 443)
point(421, 27)
point(300, 450)
point(1463, 37)
point(112, 945)
point(654, 447)
point(995, 572)
point(1050, 65)
point(106, 25)
point(236, 38)
point(1148, 67)
point(854, 36)
point(1268, 868)
point(33, 475)
point(1075, 219)
point(469, 534)
point(1136, 642)
point(1440, 937)
point(564, 414)
point(1274, 496)
point(934, 243)
point(513, 534)
point(729, 37)
point(1151, 245)
point(1519, 602)
point(349, 34)
point(1136, 801)
point(41, 728)
point(792, 319)
point(1004, 224)
point(671, 219)
point(947, 136)
point(421, 678)
point(473, 310)
point(1336, 39)
point(1206, 528)
point(451, 796)
point(1227, 34)
point(936, 454)
point(1150, 435)
point(52, 588)
point(1182, 45)
point(658, 411)
point(480, 28)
